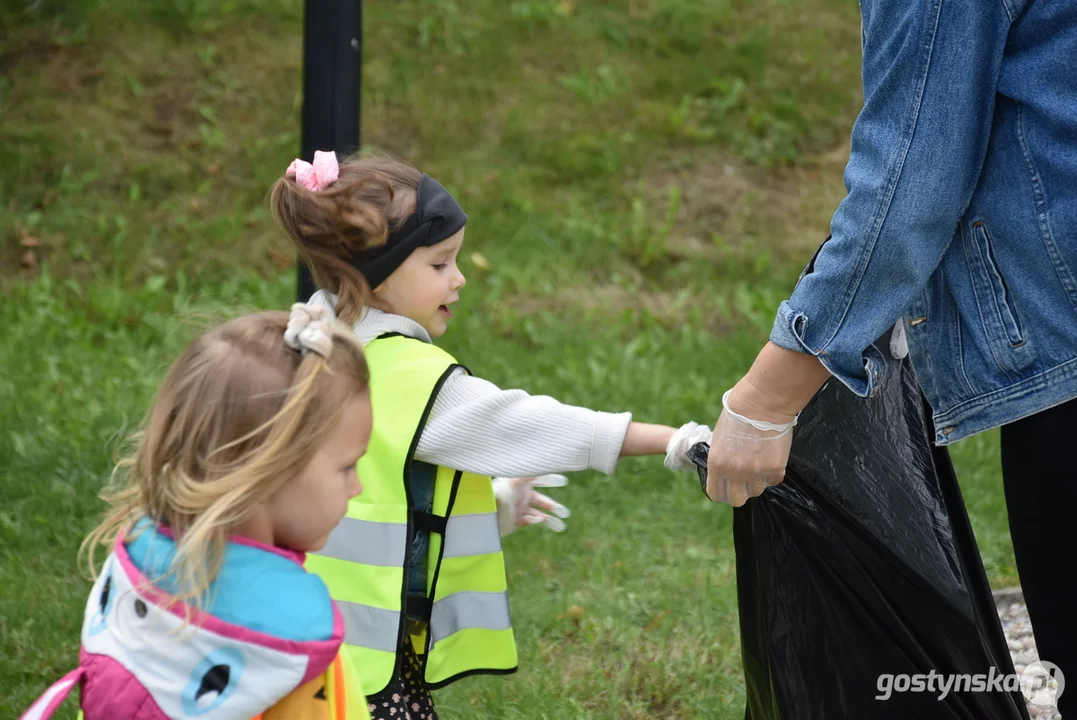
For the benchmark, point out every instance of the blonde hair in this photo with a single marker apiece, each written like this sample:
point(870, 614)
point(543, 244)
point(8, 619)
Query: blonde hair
point(238, 415)
point(371, 197)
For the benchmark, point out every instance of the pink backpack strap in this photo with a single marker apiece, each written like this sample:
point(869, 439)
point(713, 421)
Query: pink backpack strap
point(52, 698)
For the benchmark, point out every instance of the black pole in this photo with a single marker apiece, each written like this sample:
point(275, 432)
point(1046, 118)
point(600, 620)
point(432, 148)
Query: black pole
point(332, 65)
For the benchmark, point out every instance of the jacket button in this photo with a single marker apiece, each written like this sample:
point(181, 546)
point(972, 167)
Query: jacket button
point(948, 430)
point(916, 321)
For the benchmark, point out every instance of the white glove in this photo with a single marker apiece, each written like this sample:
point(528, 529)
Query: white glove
point(682, 441)
point(519, 505)
point(746, 457)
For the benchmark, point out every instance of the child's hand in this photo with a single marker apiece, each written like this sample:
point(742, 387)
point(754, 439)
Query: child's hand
point(518, 504)
point(683, 440)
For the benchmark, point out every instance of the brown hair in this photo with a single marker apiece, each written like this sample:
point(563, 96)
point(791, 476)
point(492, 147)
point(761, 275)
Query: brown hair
point(371, 197)
point(238, 415)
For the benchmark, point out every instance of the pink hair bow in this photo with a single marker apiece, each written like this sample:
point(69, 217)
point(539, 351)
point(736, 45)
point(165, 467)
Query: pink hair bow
point(316, 176)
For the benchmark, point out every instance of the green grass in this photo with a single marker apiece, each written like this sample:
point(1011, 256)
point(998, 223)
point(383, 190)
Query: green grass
point(644, 177)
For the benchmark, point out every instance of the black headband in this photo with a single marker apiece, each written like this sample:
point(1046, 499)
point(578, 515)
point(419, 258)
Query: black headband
point(437, 217)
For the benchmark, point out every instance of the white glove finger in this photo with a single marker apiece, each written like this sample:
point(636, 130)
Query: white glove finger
point(551, 480)
point(547, 503)
point(535, 517)
point(717, 488)
point(738, 494)
point(556, 524)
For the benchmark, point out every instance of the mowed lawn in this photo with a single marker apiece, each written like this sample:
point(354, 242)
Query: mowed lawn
point(645, 179)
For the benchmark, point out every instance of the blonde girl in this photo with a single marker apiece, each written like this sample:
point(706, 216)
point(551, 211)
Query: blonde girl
point(452, 457)
point(246, 463)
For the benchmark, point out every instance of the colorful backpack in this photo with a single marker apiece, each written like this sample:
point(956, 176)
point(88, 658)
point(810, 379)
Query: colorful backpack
point(139, 660)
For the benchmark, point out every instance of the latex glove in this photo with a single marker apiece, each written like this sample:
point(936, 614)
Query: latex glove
point(746, 456)
point(518, 504)
point(682, 441)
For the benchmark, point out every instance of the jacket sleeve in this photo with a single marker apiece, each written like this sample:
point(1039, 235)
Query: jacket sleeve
point(930, 72)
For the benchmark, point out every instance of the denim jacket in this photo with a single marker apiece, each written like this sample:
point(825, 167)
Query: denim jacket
point(961, 212)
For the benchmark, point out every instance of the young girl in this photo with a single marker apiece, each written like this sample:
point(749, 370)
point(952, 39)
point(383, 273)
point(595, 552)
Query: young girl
point(416, 566)
point(247, 462)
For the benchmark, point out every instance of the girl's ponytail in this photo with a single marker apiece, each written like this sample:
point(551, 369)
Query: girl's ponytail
point(370, 197)
point(326, 226)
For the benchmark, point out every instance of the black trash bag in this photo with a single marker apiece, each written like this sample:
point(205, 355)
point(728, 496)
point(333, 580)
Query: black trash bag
point(863, 562)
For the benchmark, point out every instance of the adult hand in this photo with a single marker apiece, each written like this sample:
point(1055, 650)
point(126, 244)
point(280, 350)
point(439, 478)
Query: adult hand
point(754, 433)
point(746, 456)
point(518, 504)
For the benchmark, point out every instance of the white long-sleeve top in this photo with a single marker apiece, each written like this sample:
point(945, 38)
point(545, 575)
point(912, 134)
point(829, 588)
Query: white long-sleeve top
point(477, 427)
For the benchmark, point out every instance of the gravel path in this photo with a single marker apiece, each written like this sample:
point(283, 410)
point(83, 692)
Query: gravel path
point(1018, 629)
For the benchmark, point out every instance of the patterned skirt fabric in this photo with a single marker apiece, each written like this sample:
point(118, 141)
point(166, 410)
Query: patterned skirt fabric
point(406, 698)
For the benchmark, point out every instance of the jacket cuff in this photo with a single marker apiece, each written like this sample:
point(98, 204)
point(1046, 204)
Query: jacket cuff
point(858, 370)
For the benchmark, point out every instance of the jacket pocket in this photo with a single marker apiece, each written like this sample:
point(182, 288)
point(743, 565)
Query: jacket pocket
point(1006, 319)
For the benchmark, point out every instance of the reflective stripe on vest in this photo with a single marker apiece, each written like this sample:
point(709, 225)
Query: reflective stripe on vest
point(375, 629)
point(463, 610)
point(372, 543)
point(363, 563)
point(472, 535)
point(370, 627)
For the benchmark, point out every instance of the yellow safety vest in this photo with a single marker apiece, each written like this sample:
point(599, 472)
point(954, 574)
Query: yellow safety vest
point(364, 563)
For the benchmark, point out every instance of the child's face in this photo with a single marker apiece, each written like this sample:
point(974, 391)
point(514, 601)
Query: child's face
point(305, 510)
point(425, 285)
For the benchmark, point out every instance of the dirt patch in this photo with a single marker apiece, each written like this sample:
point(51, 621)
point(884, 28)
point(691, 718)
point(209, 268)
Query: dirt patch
point(34, 47)
point(148, 156)
point(597, 297)
point(726, 209)
point(725, 204)
point(611, 301)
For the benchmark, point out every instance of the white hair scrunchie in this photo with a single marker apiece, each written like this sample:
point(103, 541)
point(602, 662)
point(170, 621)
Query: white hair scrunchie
point(309, 329)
